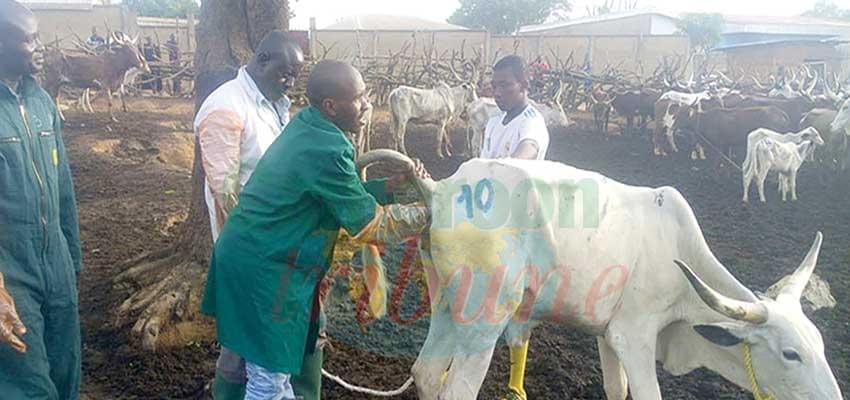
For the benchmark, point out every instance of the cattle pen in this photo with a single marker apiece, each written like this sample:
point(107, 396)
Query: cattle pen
point(132, 184)
point(652, 139)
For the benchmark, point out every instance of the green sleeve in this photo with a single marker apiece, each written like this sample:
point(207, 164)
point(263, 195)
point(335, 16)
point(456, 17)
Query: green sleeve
point(67, 201)
point(378, 189)
point(338, 187)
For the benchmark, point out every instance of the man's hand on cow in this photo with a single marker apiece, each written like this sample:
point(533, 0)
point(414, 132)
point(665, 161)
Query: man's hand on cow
point(418, 171)
point(11, 327)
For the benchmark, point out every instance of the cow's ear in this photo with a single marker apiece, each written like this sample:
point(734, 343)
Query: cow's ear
point(718, 334)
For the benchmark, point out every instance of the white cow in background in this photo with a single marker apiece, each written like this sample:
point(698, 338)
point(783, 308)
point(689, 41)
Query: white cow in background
point(783, 158)
point(516, 242)
point(478, 113)
point(841, 124)
point(440, 105)
point(758, 135)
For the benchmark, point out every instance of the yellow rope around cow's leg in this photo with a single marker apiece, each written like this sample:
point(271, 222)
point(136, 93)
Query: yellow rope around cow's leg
point(751, 375)
point(518, 358)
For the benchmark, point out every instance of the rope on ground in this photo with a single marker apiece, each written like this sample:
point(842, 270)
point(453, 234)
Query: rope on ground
point(713, 147)
point(368, 391)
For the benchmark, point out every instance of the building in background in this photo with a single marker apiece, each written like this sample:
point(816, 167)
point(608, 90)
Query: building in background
point(629, 23)
point(63, 21)
point(381, 22)
point(759, 45)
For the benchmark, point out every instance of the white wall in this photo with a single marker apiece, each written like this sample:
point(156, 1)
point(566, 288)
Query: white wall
point(663, 26)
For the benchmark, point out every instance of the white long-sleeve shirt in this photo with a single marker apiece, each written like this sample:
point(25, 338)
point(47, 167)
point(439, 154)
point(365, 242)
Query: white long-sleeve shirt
point(235, 126)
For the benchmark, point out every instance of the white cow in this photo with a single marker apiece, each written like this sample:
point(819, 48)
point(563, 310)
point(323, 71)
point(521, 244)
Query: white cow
point(783, 158)
point(440, 105)
point(515, 242)
point(482, 109)
point(748, 168)
point(478, 114)
point(841, 124)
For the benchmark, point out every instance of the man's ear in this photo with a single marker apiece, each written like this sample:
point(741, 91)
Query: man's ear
point(263, 58)
point(329, 107)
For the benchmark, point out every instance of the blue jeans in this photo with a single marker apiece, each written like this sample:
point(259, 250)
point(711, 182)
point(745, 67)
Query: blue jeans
point(266, 385)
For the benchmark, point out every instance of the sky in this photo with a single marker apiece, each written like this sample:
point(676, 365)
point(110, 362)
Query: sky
point(328, 11)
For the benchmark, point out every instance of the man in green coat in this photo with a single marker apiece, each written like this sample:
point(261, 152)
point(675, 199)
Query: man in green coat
point(277, 244)
point(39, 244)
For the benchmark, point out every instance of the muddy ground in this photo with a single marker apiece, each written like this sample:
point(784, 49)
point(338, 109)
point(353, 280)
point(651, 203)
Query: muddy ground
point(132, 181)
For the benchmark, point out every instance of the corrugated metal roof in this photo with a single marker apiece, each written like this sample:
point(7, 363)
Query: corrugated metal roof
point(784, 25)
point(591, 20)
point(381, 22)
point(772, 42)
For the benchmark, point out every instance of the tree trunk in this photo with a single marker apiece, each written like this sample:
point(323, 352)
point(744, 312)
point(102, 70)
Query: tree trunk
point(165, 288)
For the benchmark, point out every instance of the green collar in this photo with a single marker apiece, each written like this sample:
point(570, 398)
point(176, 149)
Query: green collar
point(318, 119)
point(27, 86)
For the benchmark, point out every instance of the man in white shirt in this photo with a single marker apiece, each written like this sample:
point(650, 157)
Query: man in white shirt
point(520, 130)
point(235, 125)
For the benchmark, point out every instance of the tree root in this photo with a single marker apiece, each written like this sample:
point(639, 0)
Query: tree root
point(163, 292)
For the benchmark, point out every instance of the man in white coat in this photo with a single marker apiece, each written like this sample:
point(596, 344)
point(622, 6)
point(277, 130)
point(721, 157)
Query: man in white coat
point(235, 125)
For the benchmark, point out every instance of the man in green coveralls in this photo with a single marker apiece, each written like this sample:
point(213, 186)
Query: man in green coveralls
point(278, 242)
point(39, 244)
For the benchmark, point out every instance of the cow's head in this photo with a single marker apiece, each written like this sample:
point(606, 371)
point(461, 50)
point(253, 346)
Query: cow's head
point(811, 134)
point(468, 92)
point(682, 116)
point(787, 350)
point(841, 123)
point(127, 53)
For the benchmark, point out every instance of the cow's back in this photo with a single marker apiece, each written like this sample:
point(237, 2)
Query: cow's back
point(420, 104)
point(732, 126)
point(569, 226)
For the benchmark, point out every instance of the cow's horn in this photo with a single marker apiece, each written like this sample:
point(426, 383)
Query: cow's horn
point(812, 86)
point(725, 78)
point(736, 309)
point(758, 84)
point(425, 187)
point(800, 278)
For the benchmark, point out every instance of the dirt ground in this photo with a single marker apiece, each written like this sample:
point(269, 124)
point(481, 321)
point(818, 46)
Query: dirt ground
point(132, 180)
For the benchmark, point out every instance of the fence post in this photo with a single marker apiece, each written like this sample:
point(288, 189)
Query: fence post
point(538, 47)
point(638, 60)
point(485, 54)
point(313, 36)
point(190, 31)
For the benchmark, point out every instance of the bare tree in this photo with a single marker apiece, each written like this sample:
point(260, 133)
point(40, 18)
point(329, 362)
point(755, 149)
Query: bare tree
point(164, 288)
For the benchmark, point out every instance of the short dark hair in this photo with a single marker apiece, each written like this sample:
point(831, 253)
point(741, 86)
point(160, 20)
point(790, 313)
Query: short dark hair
point(325, 81)
point(516, 65)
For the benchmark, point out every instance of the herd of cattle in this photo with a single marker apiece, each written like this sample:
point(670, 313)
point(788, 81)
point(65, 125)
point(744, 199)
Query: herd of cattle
point(669, 299)
point(541, 248)
point(797, 117)
point(717, 112)
point(105, 69)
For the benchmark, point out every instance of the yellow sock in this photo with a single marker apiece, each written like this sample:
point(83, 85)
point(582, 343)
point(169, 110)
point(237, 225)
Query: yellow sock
point(518, 356)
